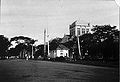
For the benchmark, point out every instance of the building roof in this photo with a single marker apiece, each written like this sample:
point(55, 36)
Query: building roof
point(62, 47)
point(77, 22)
point(66, 38)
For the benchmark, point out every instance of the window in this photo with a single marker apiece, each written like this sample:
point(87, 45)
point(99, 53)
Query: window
point(78, 31)
point(83, 31)
point(87, 30)
point(74, 32)
point(66, 54)
point(71, 32)
point(61, 54)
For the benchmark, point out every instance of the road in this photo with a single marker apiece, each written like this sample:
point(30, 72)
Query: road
point(44, 71)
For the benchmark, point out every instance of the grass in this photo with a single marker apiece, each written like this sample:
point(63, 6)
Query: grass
point(114, 64)
point(21, 70)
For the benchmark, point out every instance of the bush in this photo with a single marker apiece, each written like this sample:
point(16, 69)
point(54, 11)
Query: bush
point(61, 58)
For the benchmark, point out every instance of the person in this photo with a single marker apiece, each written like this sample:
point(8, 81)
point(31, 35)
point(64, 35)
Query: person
point(26, 56)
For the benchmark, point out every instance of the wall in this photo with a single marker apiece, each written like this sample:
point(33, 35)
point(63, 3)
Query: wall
point(53, 54)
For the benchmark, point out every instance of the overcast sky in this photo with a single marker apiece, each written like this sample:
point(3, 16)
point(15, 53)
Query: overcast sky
point(30, 17)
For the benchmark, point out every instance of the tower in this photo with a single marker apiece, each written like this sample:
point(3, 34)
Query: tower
point(44, 42)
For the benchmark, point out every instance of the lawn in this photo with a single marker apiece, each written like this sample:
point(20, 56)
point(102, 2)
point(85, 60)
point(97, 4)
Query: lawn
point(18, 70)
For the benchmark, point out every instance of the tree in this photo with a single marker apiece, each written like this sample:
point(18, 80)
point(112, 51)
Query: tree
point(72, 44)
point(104, 36)
point(111, 47)
point(87, 42)
point(24, 45)
point(4, 45)
point(40, 51)
point(103, 43)
point(54, 43)
point(12, 52)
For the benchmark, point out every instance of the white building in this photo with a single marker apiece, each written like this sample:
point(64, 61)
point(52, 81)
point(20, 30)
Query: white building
point(79, 28)
point(61, 50)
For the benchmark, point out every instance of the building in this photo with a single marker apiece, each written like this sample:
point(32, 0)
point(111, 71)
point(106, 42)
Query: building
point(61, 50)
point(79, 28)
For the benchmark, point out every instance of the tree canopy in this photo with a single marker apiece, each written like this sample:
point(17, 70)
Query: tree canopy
point(26, 40)
point(4, 45)
point(54, 43)
point(40, 51)
point(24, 44)
point(102, 43)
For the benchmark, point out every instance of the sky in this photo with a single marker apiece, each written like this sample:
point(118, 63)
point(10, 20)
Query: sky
point(30, 17)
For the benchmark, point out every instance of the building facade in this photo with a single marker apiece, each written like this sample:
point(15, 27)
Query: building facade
point(60, 51)
point(79, 28)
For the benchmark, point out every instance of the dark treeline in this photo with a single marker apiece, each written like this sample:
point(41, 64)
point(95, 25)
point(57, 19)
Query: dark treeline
point(23, 46)
point(102, 43)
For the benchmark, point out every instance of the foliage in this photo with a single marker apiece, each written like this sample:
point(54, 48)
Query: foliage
point(4, 45)
point(54, 43)
point(22, 39)
point(72, 44)
point(40, 51)
point(102, 43)
point(103, 32)
point(24, 45)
